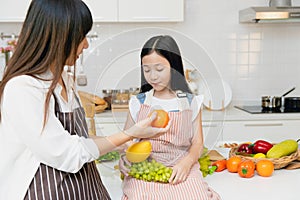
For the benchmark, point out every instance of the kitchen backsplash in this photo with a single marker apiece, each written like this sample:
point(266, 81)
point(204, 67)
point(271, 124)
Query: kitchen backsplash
point(255, 59)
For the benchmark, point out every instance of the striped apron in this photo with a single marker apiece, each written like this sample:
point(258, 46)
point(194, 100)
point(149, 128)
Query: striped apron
point(168, 149)
point(50, 183)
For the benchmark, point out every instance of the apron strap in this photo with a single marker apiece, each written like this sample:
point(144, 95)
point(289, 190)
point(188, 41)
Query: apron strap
point(184, 99)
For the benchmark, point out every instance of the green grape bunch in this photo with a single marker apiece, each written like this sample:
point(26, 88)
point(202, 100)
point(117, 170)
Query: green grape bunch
point(150, 171)
point(205, 164)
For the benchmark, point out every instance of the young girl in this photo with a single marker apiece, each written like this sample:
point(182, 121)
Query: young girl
point(163, 86)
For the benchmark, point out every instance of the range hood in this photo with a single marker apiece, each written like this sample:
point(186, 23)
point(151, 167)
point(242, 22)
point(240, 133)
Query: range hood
point(270, 15)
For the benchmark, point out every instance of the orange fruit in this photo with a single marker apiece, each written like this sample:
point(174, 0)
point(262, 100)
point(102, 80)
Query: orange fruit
point(161, 120)
point(246, 169)
point(264, 168)
point(232, 163)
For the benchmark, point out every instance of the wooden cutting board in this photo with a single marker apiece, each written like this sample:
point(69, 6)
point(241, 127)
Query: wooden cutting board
point(215, 155)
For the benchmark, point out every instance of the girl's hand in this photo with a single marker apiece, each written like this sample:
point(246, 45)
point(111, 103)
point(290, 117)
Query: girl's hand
point(143, 129)
point(181, 171)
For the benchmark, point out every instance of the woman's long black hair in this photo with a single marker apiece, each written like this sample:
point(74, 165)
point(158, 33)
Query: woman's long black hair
point(51, 33)
point(167, 47)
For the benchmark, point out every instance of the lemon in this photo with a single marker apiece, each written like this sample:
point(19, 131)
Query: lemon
point(139, 151)
point(140, 147)
point(259, 155)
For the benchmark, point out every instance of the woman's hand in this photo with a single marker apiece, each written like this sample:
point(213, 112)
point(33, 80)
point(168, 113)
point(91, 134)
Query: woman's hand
point(143, 129)
point(181, 170)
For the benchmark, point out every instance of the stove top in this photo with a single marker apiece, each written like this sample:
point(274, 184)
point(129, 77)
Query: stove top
point(261, 110)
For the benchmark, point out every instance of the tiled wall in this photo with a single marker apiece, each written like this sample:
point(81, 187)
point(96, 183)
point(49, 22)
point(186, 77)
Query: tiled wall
point(255, 59)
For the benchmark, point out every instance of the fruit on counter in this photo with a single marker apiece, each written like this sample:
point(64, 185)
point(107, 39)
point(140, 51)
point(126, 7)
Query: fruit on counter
point(110, 156)
point(245, 148)
point(264, 168)
point(232, 163)
point(205, 163)
point(161, 120)
point(261, 146)
point(284, 148)
point(150, 171)
point(259, 155)
point(246, 169)
point(220, 164)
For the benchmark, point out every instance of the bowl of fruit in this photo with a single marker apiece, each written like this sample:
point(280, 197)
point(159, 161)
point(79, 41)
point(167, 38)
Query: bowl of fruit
point(281, 154)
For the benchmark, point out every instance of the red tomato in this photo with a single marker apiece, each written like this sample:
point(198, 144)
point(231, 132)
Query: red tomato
point(161, 120)
point(246, 169)
point(220, 164)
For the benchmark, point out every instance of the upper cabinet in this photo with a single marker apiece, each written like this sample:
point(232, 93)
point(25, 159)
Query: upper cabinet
point(110, 10)
point(14, 10)
point(151, 11)
point(136, 10)
point(103, 10)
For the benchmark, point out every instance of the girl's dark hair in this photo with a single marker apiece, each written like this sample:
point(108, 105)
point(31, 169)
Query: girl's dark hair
point(51, 33)
point(167, 47)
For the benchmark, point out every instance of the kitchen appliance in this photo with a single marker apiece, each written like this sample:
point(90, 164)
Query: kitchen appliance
point(278, 11)
point(256, 109)
point(273, 101)
point(81, 76)
point(292, 103)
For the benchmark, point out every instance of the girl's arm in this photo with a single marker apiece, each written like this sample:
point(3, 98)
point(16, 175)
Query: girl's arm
point(197, 143)
point(183, 167)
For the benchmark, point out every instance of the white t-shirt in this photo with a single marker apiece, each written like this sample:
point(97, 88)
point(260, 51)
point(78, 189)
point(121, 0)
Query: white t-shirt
point(24, 143)
point(165, 104)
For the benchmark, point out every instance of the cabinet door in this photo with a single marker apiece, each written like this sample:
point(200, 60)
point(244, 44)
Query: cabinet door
point(103, 10)
point(274, 131)
point(212, 133)
point(107, 129)
point(14, 10)
point(151, 11)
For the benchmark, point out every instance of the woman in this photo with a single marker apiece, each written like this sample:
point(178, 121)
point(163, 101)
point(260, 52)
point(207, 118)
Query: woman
point(45, 149)
point(163, 86)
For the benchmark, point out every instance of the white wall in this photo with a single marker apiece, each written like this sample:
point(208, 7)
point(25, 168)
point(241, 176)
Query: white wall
point(255, 59)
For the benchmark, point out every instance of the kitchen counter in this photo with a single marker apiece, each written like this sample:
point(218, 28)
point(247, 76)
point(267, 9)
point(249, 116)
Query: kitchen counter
point(229, 114)
point(283, 184)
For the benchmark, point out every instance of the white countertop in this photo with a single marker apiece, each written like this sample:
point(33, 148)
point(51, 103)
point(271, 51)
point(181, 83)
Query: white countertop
point(229, 114)
point(283, 184)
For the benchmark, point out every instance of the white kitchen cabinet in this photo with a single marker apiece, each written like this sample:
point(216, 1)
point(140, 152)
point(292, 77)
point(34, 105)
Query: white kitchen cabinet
point(103, 10)
point(249, 131)
point(110, 10)
point(14, 10)
point(151, 11)
point(106, 129)
point(212, 133)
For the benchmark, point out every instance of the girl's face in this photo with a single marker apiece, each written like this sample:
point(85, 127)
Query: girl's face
point(83, 45)
point(157, 71)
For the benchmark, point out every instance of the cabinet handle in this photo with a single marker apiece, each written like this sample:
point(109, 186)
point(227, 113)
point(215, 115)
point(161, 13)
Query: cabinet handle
point(269, 124)
point(209, 125)
point(149, 18)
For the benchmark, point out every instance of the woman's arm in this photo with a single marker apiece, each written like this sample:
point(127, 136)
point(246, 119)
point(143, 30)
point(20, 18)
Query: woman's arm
point(142, 129)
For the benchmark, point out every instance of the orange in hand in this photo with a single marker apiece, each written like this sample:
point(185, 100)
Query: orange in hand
point(264, 168)
point(161, 120)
